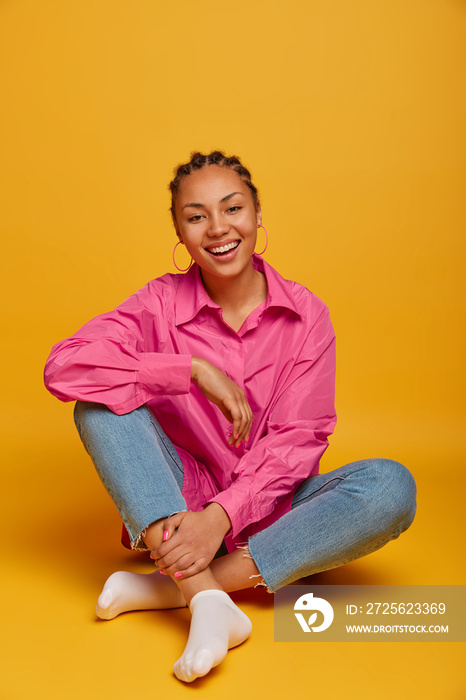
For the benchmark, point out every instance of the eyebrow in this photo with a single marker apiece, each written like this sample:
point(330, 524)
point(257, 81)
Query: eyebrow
point(224, 199)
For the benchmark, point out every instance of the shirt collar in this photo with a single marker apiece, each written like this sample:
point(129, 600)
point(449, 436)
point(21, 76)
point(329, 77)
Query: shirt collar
point(191, 296)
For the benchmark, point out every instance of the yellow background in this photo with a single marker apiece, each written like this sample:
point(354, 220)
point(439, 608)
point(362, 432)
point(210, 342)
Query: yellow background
point(351, 117)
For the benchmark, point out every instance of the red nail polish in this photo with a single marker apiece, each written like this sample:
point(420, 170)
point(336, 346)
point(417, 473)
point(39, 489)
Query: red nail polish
point(162, 572)
point(178, 575)
point(165, 535)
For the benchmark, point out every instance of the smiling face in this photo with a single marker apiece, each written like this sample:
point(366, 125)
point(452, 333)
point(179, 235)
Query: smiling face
point(217, 219)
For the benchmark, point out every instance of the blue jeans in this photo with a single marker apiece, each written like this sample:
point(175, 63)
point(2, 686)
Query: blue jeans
point(334, 518)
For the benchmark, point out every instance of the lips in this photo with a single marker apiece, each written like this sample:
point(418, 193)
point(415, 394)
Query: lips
point(228, 247)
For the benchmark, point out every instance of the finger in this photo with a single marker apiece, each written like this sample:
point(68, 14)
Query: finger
point(245, 424)
point(239, 417)
point(167, 547)
point(170, 526)
point(171, 523)
point(249, 424)
point(192, 570)
point(172, 549)
point(182, 564)
point(225, 412)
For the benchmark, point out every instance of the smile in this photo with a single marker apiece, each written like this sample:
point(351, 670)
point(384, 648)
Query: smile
point(224, 248)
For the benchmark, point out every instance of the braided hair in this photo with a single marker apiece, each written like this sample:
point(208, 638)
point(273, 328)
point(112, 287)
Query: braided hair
point(200, 160)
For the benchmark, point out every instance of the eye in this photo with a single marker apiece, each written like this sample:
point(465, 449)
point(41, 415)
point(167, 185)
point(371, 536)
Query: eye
point(234, 208)
point(194, 218)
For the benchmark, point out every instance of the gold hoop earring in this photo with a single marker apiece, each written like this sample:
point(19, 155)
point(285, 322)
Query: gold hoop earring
point(266, 240)
point(174, 261)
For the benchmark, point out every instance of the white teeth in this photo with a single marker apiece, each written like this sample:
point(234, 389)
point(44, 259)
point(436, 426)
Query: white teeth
point(224, 248)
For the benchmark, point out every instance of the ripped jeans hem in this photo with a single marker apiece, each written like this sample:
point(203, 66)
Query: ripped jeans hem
point(247, 554)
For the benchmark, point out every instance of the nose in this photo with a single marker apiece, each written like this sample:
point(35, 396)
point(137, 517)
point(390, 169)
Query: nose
point(218, 226)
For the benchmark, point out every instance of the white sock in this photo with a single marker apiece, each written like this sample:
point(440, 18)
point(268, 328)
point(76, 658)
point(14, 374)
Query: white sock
point(124, 591)
point(217, 625)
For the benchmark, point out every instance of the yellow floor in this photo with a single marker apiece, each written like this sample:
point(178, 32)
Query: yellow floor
point(62, 542)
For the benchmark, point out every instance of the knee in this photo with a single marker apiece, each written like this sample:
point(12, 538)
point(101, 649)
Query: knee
point(396, 490)
point(97, 423)
point(88, 416)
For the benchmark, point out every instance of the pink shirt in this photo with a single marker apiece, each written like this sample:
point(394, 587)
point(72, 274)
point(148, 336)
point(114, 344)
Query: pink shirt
point(283, 357)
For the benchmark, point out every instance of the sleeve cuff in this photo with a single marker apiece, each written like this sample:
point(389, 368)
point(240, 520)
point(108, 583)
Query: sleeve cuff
point(160, 373)
point(246, 512)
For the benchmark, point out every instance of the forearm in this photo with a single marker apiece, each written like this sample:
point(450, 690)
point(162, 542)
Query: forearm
point(114, 374)
point(196, 364)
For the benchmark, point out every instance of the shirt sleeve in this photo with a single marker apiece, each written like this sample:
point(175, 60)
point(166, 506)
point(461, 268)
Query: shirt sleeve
point(297, 430)
point(115, 359)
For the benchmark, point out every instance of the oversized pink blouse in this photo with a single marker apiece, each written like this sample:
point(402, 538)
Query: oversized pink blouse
point(283, 357)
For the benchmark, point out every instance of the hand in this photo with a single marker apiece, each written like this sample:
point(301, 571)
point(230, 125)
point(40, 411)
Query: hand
point(225, 394)
point(192, 541)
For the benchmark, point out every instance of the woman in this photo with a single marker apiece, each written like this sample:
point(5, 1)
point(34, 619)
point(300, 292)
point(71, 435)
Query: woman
point(205, 401)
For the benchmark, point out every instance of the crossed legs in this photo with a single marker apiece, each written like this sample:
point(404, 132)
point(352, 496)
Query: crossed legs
point(335, 518)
